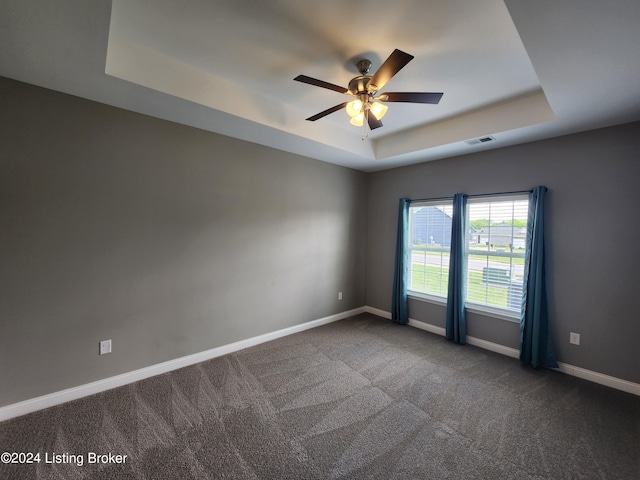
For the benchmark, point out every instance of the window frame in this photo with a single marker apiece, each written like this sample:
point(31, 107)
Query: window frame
point(432, 297)
point(486, 308)
point(471, 306)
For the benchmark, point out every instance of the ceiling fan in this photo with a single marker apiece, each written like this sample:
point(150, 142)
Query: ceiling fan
point(367, 106)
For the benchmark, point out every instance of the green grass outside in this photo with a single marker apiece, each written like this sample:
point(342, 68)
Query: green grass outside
point(434, 280)
point(480, 292)
point(429, 279)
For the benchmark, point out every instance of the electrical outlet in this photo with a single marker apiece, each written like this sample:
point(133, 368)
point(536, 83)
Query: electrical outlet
point(339, 295)
point(105, 347)
point(574, 338)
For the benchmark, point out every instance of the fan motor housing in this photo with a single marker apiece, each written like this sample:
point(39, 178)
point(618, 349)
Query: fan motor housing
point(358, 85)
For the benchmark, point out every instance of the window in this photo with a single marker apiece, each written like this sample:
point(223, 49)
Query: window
point(495, 247)
point(497, 230)
point(429, 244)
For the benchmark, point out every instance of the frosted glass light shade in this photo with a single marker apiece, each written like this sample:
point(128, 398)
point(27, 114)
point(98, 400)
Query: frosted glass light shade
point(354, 108)
point(378, 110)
point(357, 120)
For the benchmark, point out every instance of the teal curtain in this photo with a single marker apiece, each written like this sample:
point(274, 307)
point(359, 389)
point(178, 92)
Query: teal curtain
point(399, 305)
point(456, 325)
point(536, 347)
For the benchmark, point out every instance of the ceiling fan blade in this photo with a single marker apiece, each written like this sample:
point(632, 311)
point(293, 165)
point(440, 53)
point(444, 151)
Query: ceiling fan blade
point(320, 83)
point(373, 121)
point(411, 97)
point(392, 65)
point(318, 116)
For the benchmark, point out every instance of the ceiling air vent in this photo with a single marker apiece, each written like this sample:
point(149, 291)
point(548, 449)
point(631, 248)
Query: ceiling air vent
point(476, 141)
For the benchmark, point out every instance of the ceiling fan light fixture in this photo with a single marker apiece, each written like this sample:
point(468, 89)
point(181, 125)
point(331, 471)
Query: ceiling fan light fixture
point(378, 110)
point(354, 108)
point(357, 120)
point(365, 109)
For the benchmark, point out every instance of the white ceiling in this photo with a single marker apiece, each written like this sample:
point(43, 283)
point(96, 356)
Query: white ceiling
point(519, 70)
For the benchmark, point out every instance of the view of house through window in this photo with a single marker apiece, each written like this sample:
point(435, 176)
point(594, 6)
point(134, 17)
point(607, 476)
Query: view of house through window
point(495, 246)
point(429, 244)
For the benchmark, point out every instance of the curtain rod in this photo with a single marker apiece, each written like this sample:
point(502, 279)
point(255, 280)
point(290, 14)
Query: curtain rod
point(471, 196)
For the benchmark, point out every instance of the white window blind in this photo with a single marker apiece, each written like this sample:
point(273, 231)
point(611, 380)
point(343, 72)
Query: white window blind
point(496, 235)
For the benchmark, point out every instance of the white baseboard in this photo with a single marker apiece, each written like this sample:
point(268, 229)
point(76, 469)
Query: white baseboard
point(56, 398)
point(596, 377)
point(601, 378)
point(478, 342)
point(378, 312)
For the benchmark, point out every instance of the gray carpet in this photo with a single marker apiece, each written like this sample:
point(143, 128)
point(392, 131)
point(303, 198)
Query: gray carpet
point(360, 398)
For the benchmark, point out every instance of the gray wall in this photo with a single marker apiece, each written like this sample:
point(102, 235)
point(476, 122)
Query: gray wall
point(167, 239)
point(593, 234)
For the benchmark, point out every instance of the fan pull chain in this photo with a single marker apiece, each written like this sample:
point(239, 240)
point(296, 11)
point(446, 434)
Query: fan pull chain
point(365, 123)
